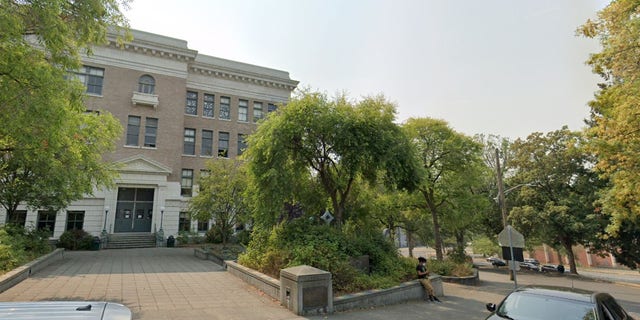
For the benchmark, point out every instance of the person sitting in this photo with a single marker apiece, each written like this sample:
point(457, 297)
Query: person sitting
point(423, 277)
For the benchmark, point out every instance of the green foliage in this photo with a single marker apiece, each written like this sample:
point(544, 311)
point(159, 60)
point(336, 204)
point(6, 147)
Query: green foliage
point(75, 239)
point(315, 143)
point(50, 148)
point(19, 245)
point(449, 268)
point(556, 202)
point(485, 246)
point(300, 242)
point(221, 198)
point(452, 174)
point(614, 124)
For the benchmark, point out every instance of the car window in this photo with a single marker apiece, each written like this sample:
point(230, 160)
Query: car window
point(519, 305)
point(613, 308)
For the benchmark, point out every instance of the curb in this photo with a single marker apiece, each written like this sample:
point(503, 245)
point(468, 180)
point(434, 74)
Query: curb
point(23, 272)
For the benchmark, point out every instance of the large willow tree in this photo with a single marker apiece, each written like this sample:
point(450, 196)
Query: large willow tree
point(324, 146)
point(615, 123)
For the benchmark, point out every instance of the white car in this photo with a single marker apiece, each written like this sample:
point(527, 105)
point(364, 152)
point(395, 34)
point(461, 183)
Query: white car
point(82, 310)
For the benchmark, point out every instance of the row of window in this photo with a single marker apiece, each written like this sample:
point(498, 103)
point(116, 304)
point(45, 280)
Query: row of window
point(224, 107)
point(75, 221)
point(206, 145)
point(47, 220)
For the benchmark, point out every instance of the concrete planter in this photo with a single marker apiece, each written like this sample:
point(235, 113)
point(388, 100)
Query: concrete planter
point(473, 280)
point(18, 274)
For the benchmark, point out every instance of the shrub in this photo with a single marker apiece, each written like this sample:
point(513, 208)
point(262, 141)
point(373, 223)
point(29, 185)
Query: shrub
point(300, 241)
point(450, 268)
point(76, 239)
point(19, 245)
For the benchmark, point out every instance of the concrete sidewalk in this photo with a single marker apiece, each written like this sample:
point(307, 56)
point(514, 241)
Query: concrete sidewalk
point(159, 283)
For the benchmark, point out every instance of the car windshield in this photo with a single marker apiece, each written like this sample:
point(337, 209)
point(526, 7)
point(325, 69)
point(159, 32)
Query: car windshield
point(524, 306)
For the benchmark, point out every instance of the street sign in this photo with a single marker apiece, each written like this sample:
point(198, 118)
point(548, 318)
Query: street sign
point(510, 237)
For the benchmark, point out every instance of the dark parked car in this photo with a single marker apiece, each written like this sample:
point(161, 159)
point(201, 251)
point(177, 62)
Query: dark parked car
point(496, 262)
point(552, 268)
point(529, 266)
point(545, 302)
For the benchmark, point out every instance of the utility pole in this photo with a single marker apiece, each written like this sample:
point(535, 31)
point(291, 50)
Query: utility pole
point(501, 201)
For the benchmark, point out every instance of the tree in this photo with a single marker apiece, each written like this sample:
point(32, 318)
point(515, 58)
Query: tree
point(221, 196)
point(331, 143)
point(50, 147)
point(557, 199)
point(615, 123)
point(449, 160)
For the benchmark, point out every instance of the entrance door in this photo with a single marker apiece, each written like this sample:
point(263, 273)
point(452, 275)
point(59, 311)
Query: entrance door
point(134, 211)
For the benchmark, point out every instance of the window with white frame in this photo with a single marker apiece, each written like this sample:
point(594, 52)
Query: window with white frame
point(186, 183)
point(208, 105)
point(243, 110)
point(223, 144)
point(189, 147)
point(146, 84)
point(207, 143)
point(150, 132)
point(133, 130)
point(225, 108)
point(192, 103)
point(257, 111)
point(92, 78)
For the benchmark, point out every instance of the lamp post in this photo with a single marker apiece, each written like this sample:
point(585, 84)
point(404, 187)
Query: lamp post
point(161, 217)
point(106, 213)
point(105, 236)
point(160, 234)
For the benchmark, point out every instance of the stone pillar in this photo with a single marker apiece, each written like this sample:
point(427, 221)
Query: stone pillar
point(306, 290)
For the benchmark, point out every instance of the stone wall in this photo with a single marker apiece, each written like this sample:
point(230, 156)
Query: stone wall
point(16, 275)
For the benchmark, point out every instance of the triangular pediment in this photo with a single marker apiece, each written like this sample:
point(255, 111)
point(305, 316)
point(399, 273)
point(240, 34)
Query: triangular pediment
point(142, 164)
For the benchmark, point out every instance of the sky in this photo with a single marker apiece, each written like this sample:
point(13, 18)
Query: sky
point(502, 67)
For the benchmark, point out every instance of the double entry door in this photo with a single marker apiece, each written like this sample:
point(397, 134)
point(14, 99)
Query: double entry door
point(134, 211)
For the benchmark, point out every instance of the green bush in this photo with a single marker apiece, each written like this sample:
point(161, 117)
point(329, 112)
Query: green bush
point(449, 268)
point(19, 245)
point(76, 239)
point(301, 242)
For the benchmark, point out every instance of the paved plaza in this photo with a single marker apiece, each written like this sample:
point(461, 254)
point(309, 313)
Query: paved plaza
point(170, 283)
point(159, 283)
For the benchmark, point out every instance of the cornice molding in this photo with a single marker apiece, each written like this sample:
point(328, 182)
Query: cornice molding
point(221, 73)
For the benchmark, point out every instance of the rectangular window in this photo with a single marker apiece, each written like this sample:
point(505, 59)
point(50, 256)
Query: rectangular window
point(207, 143)
point(189, 141)
point(208, 105)
point(133, 130)
point(75, 220)
point(186, 183)
point(272, 107)
point(257, 111)
point(203, 226)
point(184, 221)
point(225, 108)
point(242, 144)
point(192, 103)
point(92, 78)
point(18, 217)
point(46, 221)
point(150, 132)
point(243, 110)
point(223, 144)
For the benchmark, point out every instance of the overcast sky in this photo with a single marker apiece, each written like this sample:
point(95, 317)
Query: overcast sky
point(505, 67)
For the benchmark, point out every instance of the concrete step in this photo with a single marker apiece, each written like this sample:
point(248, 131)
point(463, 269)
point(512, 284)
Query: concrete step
point(131, 240)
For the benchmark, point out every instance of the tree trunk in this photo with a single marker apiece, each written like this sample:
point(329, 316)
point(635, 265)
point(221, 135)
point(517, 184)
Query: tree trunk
point(570, 256)
point(428, 195)
point(410, 243)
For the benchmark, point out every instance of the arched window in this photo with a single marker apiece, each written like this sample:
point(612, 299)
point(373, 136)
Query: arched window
point(146, 84)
